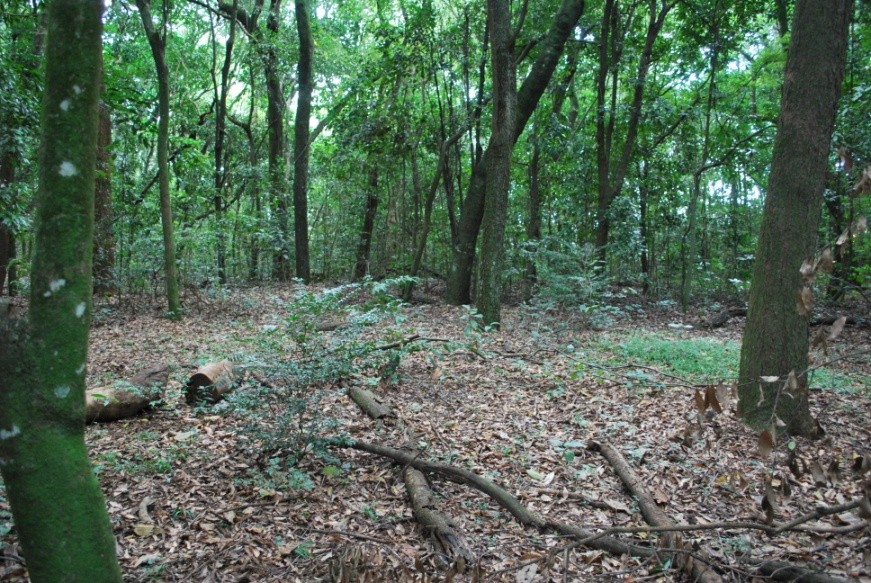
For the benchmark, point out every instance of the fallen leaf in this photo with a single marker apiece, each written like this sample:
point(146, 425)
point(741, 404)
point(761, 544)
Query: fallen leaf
point(766, 443)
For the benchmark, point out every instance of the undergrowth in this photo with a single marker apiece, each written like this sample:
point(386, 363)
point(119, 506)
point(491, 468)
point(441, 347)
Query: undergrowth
point(294, 365)
point(696, 360)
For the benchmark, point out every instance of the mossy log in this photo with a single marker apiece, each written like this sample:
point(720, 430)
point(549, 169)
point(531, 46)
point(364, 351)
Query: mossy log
point(114, 403)
point(209, 383)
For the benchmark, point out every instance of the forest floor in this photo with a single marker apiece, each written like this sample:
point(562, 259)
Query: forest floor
point(208, 494)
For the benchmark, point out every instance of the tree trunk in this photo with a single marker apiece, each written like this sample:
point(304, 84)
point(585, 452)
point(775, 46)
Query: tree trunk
point(460, 277)
point(105, 281)
point(158, 50)
point(57, 506)
point(220, 134)
point(489, 299)
point(364, 244)
point(611, 171)
point(776, 334)
point(533, 223)
point(275, 122)
point(301, 141)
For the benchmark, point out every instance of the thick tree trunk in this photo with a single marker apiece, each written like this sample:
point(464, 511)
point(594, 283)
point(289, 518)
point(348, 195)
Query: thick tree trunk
point(105, 282)
point(57, 506)
point(460, 278)
point(158, 51)
point(776, 335)
point(489, 299)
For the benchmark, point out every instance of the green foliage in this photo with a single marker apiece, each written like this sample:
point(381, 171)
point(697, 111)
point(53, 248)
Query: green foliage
point(567, 273)
point(298, 365)
point(699, 360)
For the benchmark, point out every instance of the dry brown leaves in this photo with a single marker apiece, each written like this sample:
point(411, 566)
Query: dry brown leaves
point(187, 504)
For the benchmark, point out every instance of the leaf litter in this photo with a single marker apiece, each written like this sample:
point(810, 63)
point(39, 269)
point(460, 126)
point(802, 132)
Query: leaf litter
point(190, 501)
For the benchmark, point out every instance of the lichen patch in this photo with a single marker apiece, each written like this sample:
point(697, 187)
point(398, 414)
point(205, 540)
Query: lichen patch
point(68, 169)
point(9, 433)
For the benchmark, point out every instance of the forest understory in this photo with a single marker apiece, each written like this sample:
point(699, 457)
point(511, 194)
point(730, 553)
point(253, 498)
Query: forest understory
point(210, 494)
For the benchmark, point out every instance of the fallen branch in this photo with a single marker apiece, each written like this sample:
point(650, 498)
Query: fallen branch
point(520, 512)
point(370, 403)
point(697, 570)
point(782, 571)
point(451, 550)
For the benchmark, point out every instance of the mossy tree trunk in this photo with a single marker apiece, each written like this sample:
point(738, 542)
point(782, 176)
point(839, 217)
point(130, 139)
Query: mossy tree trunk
point(157, 41)
point(499, 162)
point(58, 509)
point(776, 335)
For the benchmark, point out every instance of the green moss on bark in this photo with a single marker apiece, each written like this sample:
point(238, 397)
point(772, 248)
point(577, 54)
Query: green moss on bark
point(58, 508)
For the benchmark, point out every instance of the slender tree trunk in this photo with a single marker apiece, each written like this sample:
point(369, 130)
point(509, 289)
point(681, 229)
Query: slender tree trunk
point(364, 244)
point(776, 334)
point(275, 122)
point(7, 240)
point(220, 135)
point(58, 508)
point(533, 222)
point(612, 170)
point(689, 242)
point(489, 301)
point(105, 281)
point(301, 141)
point(460, 277)
point(644, 233)
point(158, 50)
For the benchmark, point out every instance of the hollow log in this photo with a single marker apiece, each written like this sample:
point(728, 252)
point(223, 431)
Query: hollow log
point(114, 403)
point(370, 403)
point(697, 570)
point(209, 383)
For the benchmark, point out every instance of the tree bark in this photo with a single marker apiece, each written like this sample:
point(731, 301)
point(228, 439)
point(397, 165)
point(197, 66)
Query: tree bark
point(275, 122)
point(157, 41)
point(105, 282)
point(301, 141)
point(57, 506)
point(220, 134)
point(776, 334)
point(364, 243)
point(460, 277)
point(489, 299)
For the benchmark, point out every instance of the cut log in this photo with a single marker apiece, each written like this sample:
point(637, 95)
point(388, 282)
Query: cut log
point(209, 383)
point(114, 403)
point(370, 403)
point(697, 570)
point(449, 546)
